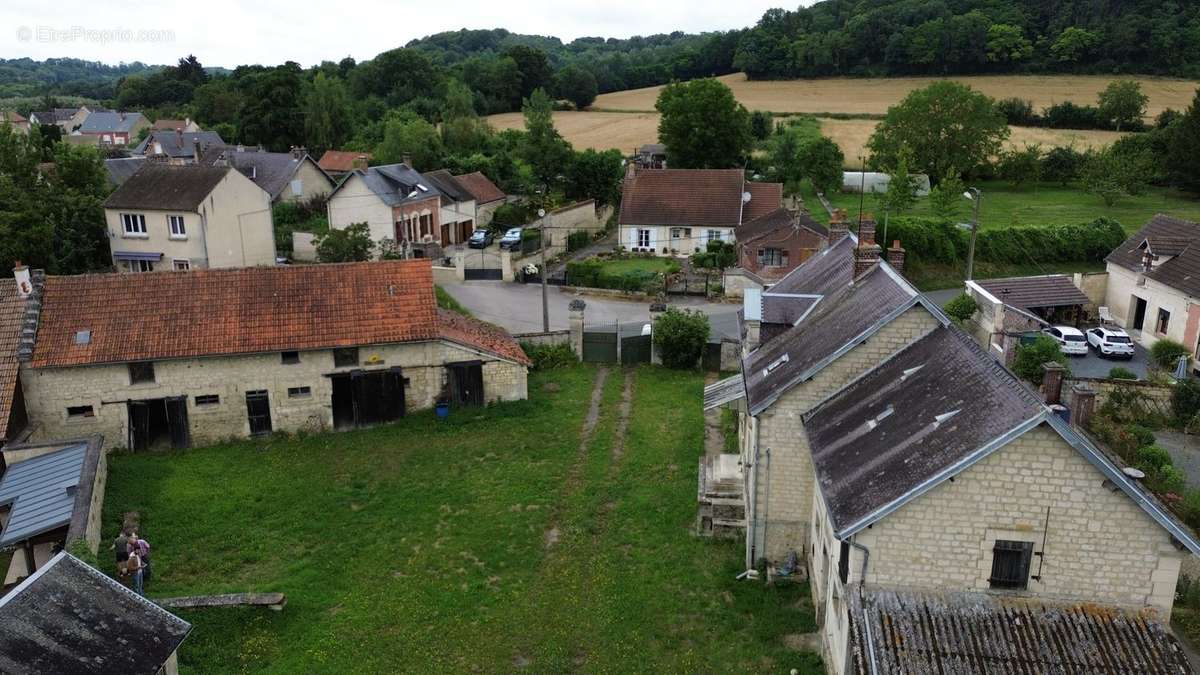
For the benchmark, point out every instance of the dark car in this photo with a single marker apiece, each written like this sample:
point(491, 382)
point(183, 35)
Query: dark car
point(480, 239)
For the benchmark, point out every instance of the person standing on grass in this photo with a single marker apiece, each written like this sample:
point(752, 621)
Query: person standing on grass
point(121, 547)
point(137, 570)
point(143, 550)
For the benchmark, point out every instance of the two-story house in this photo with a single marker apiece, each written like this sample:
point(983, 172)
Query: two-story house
point(181, 147)
point(291, 176)
point(113, 128)
point(167, 217)
point(401, 204)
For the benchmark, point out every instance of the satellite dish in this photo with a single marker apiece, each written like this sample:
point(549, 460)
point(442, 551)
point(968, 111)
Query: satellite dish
point(541, 213)
point(746, 197)
point(1134, 473)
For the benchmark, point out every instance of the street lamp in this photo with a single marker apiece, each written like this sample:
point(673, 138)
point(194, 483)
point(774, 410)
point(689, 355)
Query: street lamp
point(545, 303)
point(975, 195)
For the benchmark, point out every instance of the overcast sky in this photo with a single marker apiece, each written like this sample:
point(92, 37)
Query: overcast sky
point(233, 32)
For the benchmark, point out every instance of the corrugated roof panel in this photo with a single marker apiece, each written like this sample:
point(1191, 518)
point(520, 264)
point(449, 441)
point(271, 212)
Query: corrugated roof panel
point(37, 491)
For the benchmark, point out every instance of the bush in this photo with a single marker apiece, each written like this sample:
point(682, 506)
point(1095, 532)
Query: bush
point(1165, 354)
point(1019, 112)
point(346, 245)
point(933, 241)
point(961, 308)
point(1067, 115)
point(549, 357)
point(592, 274)
point(1142, 436)
point(1170, 479)
point(680, 336)
point(1152, 459)
point(578, 240)
point(1030, 357)
point(1185, 400)
point(1062, 165)
point(511, 215)
point(1119, 373)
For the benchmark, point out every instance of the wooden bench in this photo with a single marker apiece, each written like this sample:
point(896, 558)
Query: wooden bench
point(274, 601)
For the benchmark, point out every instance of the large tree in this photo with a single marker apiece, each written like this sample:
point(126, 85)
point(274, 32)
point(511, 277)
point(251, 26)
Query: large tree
point(577, 85)
point(594, 175)
point(1183, 152)
point(326, 114)
point(272, 114)
point(947, 125)
point(1122, 104)
point(463, 132)
point(703, 125)
point(543, 148)
point(533, 66)
point(407, 135)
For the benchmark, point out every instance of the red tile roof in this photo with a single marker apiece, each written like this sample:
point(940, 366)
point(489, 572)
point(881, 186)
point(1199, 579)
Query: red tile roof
point(695, 197)
point(12, 309)
point(341, 161)
point(484, 190)
point(163, 315)
point(474, 333)
point(12, 116)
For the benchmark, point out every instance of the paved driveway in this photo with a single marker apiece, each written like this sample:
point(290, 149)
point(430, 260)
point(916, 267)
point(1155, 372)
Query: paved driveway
point(1094, 366)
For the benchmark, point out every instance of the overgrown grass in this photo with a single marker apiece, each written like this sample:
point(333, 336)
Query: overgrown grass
point(421, 546)
point(641, 264)
point(447, 301)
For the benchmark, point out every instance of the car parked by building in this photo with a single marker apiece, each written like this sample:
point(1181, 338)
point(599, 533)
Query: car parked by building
point(1070, 339)
point(480, 239)
point(1110, 342)
point(511, 239)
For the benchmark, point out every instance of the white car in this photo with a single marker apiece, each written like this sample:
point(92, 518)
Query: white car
point(1071, 340)
point(1112, 342)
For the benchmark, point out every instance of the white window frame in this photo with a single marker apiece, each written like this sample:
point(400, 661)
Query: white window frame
point(177, 227)
point(716, 235)
point(138, 266)
point(298, 187)
point(181, 264)
point(134, 225)
point(643, 238)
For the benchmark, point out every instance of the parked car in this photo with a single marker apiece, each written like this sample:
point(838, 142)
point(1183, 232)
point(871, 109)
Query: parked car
point(511, 239)
point(480, 239)
point(1112, 342)
point(1071, 340)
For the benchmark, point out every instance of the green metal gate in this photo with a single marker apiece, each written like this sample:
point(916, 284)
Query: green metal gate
point(599, 347)
point(635, 349)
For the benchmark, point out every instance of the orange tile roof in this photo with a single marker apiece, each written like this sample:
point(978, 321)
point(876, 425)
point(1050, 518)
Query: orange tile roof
point(475, 333)
point(764, 198)
point(164, 315)
point(483, 189)
point(340, 161)
point(12, 309)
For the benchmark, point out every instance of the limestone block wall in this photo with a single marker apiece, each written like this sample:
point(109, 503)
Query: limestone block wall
point(783, 488)
point(1099, 546)
point(50, 391)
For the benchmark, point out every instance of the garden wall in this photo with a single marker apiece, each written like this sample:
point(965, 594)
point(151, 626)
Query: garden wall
point(554, 337)
point(303, 248)
point(1157, 396)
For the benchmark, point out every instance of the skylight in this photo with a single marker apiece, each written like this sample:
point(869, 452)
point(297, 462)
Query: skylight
point(909, 372)
point(886, 413)
point(83, 337)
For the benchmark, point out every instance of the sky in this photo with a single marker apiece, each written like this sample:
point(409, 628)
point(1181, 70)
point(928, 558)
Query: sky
point(230, 32)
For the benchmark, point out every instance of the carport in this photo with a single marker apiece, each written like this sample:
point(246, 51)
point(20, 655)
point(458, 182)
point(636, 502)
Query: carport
point(1054, 298)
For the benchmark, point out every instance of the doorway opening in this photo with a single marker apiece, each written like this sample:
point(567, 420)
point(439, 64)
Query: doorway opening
point(1139, 312)
point(258, 412)
point(466, 383)
point(158, 423)
point(365, 397)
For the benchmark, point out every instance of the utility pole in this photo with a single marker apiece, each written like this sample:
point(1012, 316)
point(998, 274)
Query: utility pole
point(975, 195)
point(542, 243)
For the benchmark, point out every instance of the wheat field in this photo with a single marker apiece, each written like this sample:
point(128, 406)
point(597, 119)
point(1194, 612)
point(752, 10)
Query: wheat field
point(873, 96)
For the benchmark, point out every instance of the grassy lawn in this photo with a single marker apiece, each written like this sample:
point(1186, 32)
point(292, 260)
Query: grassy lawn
point(638, 264)
point(422, 546)
point(447, 301)
point(1042, 204)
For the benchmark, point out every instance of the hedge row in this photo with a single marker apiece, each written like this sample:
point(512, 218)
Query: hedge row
point(931, 241)
point(591, 273)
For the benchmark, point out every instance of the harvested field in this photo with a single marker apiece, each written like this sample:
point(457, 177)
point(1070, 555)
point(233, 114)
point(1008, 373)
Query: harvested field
point(873, 96)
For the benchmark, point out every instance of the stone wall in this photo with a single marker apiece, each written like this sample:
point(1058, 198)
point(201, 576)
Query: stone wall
point(445, 275)
point(303, 247)
point(554, 337)
point(1094, 285)
point(783, 493)
point(580, 217)
point(1157, 396)
point(1099, 546)
point(49, 391)
point(735, 281)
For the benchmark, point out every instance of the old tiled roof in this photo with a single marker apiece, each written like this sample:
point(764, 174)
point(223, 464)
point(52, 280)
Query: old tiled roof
point(452, 191)
point(1173, 240)
point(271, 171)
point(109, 122)
point(695, 197)
point(69, 618)
point(483, 189)
point(12, 116)
point(778, 219)
point(474, 333)
point(837, 323)
point(163, 124)
point(926, 409)
point(167, 187)
point(1050, 290)
point(341, 161)
point(164, 315)
point(12, 309)
point(910, 632)
point(175, 144)
point(828, 270)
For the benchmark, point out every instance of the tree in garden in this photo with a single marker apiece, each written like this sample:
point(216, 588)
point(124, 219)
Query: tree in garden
point(761, 124)
point(945, 199)
point(1110, 175)
point(326, 114)
point(717, 256)
point(796, 154)
point(543, 148)
point(406, 134)
point(961, 308)
point(1122, 103)
point(1062, 164)
point(703, 125)
point(946, 125)
point(901, 193)
point(272, 112)
point(1021, 166)
point(823, 162)
point(680, 336)
point(346, 245)
point(577, 85)
point(1030, 357)
point(595, 175)
point(1183, 151)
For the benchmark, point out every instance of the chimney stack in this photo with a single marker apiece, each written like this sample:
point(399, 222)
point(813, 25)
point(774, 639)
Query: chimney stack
point(866, 230)
point(196, 150)
point(838, 227)
point(865, 257)
point(895, 256)
point(407, 160)
point(24, 285)
point(360, 162)
point(1052, 381)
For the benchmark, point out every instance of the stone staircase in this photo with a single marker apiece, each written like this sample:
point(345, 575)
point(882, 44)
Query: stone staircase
point(722, 508)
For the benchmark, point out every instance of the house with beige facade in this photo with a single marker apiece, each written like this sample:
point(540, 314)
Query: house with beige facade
point(181, 147)
point(173, 359)
point(291, 176)
point(66, 119)
point(168, 217)
point(112, 128)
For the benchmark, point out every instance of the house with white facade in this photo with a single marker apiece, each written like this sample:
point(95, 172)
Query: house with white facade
point(168, 217)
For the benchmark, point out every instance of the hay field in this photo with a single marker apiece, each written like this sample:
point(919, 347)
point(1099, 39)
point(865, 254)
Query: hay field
point(873, 96)
point(627, 131)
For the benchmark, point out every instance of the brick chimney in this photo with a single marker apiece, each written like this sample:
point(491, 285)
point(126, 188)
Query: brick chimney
point(1083, 403)
point(1052, 381)
point(360, 162)
point(24, 285)
point(866, 230)
point(407, 160)
point(838, 227)
point(895, 257)
point(865, 257)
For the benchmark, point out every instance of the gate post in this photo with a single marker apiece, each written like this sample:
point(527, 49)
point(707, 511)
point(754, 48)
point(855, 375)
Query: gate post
point(656, 310)
point(506, 266)
point(460, 265)
point(577, 306)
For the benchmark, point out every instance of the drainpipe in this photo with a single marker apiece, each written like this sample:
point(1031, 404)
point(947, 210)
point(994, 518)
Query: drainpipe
point(752, 503)
point(861, 595)
point(766, 504)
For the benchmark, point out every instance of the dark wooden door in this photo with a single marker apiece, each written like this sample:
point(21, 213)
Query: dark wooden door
point(445, 234)
point(258, 411)
point(466, 383)
point(378, 396)
point(139, 425)
point(635, 349)
point(177, 422)
point(1139, 313)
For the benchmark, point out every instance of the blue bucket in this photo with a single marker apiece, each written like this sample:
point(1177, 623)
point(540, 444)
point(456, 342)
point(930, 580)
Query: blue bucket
point(443, 410)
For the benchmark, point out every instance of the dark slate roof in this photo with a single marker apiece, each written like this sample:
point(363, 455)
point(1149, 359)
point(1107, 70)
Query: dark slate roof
point(68, 618)
point(835, 325)
point(393, 183)
point(41, 492)
point(109, 122)
point(930, 407)
point(1173, 240)
point(912, 632)
point(166, 187)
point(271, 171)
point(450, 188)
point(1050, 290)
point(120, 169)
point(175, 144)
point(778, 219)
point(826, 271)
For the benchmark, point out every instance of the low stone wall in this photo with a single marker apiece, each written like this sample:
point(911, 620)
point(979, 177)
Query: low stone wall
point(89, 499)
point(445, 275)
point(1157, 396)
point(554, 337)
point(731, 356)
point(579, 217)
point(736, 281)
point(303, 248)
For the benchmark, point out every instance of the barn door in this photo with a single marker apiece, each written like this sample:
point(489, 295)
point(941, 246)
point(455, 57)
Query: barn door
point(466, 383)
point(139, 425)
point(258, 412)
point(177, 422)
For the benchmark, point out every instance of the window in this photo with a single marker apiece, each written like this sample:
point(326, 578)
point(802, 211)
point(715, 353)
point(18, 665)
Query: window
point(345, 357)
point(78, 412)
point(141, 372)
point(676, 232)
point(643, 238)
point(1164, 320)
point(289, 358)
point(135, 224)
point(1010, 564)
point(181, 264)
point(178, 230)
point(139, 266)
point(207, 400)
point(844, 562)
point(299, 392)
point(715, 235)
point(298, 187)
point(771, 257)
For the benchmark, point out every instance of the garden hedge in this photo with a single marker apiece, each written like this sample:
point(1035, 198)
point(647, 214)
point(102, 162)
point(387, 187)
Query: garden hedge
point(930, 241)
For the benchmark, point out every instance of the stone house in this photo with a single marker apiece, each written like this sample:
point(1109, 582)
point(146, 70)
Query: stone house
point(185, 125)
point(168, 217)
point(113, 128)
point(1153, 290)
point(488, 197)
point(286, 176)
point(338, 163)
point(241, 352)
point(69, 617)
point(774, 244)
point(944, 480)
point(180, 147)
point(678, 211)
